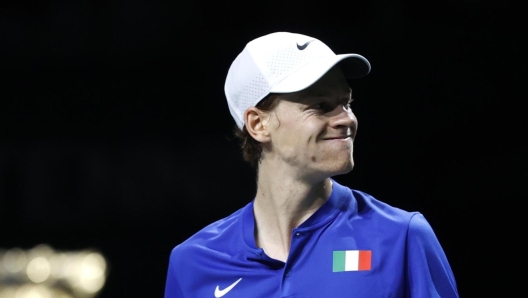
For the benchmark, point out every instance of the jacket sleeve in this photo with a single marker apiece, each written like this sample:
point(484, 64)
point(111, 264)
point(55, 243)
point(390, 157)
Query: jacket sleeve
point(429, 274)
point(172, 288)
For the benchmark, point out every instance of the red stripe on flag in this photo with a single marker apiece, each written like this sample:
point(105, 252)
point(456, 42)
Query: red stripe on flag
point(365, 260)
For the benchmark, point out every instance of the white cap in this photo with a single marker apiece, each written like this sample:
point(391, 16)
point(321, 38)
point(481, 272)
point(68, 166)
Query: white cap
point(282, 62)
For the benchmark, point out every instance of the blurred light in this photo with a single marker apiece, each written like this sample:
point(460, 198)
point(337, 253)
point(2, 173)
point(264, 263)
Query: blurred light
point(32, 291)
point(38, 269)
point(42, 272)
point(14, 260)
point(61, 265)
point(41, 250)
point(93, 267)
point(8, 292)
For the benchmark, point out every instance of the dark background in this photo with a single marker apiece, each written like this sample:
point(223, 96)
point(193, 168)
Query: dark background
point(115, 133)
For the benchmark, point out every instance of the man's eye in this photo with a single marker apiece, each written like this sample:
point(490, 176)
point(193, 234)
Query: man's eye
point(325, 106)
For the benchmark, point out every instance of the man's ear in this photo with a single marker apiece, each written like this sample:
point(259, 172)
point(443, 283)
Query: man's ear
point(257, 124)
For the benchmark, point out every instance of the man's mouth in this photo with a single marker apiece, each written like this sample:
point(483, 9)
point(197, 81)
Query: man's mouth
point(339, 137)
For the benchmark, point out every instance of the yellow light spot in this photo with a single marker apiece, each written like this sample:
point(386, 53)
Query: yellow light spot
point(92, 277)
point(38, 269)
point(32, 291)
point(14, 260)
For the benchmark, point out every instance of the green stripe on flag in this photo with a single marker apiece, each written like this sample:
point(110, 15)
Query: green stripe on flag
point(339, 261)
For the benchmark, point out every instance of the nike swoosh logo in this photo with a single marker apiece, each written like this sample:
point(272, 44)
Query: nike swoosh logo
point(220, 293)
point(302, 47)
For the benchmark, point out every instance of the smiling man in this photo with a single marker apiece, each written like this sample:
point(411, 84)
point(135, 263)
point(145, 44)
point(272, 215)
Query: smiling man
point(303, 234)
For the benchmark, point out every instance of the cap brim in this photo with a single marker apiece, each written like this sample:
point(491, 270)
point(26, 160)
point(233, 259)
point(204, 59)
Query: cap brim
point(353, 66)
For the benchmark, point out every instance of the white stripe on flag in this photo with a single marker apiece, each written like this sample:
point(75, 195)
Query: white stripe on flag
point(351, 260)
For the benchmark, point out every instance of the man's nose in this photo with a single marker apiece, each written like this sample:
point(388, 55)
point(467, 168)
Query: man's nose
point(342, 116)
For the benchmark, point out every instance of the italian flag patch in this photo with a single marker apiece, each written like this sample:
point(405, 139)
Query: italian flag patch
point(352, 260)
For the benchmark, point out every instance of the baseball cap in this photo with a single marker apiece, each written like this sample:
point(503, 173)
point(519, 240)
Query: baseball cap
point(282, 62)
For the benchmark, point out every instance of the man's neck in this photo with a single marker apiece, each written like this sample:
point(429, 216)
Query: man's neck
point(283, 202)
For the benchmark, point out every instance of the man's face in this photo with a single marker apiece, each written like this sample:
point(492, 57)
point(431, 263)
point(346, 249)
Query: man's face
point(313, 130)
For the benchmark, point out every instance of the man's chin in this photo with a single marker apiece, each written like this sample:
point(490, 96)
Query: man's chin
point(344, 168)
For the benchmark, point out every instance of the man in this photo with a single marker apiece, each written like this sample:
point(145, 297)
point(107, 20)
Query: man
point(303, 234)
